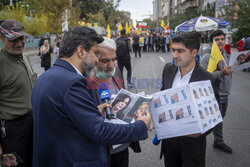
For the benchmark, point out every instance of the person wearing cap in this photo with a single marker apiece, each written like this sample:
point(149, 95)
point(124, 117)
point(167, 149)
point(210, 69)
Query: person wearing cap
point(16, 82)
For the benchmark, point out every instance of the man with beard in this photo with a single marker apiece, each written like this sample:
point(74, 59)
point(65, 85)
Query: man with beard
point(69, 129)
point(223, 72)
point(188, 151)
point(106, 71)
point(16, 82)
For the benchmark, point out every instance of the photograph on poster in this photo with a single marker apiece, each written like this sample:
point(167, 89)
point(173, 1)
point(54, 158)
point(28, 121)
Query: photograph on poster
point(185, 110)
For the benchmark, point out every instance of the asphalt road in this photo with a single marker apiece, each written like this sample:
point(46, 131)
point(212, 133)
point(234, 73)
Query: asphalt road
point(148, 69)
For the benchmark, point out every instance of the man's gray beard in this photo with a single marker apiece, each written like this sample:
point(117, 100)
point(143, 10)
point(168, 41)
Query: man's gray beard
point(87, 69)
point(107, 74)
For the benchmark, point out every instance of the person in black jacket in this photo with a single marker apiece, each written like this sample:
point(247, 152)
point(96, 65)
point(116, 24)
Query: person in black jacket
point(188, 151)
point(163, 42)
point(157, 42)
point(45, 54)
point(123, 48)
point(136, 46)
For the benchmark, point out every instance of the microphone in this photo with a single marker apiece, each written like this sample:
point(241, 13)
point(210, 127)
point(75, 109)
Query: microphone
point(105, 97)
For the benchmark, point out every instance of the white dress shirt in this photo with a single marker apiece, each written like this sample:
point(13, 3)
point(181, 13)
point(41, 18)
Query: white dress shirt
point(181, 81)
point(78, 72)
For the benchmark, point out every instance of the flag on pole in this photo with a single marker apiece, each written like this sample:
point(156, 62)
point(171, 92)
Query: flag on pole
point(215, 57)
point(141, 24)
point(130, 28)
point(138, 31)
point(126, 28)
point(120, 27)
point(163, 25)
point(108, 32)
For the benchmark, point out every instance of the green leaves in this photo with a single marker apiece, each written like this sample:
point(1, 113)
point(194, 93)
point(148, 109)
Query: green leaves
point(238, 14)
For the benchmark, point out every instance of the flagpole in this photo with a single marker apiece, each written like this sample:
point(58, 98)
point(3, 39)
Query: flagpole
point(221, 54)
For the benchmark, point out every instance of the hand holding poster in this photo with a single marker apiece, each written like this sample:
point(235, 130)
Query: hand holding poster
point(185, 110)
point(126, 105)
point(240, 60)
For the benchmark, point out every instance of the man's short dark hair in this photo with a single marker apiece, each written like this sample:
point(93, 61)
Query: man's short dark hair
point(190, 40)
point(123, 32)
point(215, 34)
point(83, 36)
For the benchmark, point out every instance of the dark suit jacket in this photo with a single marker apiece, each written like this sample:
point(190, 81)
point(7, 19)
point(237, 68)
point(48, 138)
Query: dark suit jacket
point(69, 130)
point(199, 74)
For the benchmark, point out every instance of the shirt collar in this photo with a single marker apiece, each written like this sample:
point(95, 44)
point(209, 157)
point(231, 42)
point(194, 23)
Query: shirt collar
point(78, 72)
point(187, 75)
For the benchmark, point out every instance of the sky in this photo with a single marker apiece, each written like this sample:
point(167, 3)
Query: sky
point(137, 8)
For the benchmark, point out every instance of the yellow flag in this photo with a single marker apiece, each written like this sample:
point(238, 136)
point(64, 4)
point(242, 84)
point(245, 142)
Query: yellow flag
point(126, 27)
point(108, 32)
point(89, 24)
point(163, 25)
point(120, 27)
point(138, 31)
point(130, 28)
point(215, 57)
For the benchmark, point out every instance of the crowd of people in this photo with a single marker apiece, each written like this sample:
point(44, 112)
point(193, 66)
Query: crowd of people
point(58, 120)
point(150, 42)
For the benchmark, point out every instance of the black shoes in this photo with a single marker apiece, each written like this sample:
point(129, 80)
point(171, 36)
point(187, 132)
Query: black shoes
point(223, 147)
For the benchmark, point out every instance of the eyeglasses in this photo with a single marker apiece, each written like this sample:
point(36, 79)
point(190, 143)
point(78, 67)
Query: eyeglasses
point(96, 52)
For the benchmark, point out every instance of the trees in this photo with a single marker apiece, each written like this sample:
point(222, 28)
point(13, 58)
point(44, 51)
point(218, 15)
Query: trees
point(51, 12)
point(53, 9)
point(150, 24)
point(33, 25)
point(238, 14)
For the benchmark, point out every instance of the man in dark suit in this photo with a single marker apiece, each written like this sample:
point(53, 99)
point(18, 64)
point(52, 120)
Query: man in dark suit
point(188, 151)
point(69, 130)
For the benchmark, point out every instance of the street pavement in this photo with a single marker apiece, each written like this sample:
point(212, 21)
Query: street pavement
point(236, 123)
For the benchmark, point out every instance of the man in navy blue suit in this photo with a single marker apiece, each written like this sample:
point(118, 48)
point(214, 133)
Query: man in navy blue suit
point(69, 130)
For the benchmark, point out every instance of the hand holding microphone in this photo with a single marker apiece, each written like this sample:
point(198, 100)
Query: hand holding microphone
point(105, 97)
point(102, 107)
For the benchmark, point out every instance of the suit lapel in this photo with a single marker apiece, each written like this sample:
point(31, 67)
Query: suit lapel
point(195, 74)
point(170, 77)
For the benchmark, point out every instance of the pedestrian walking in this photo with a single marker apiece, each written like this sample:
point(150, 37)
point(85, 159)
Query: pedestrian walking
point(123, 48)
point(45, 55)
point(136, 46)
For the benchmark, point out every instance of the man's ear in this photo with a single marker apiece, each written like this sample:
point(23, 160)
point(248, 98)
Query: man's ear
point(81, 52)
point(194, 52)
